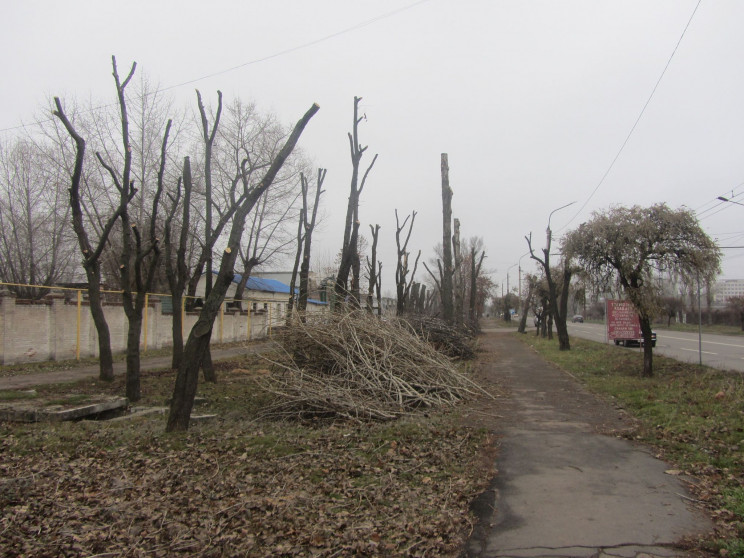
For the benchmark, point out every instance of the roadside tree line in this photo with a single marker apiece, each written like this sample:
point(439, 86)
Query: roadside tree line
point(141, 194)
point(622, 251)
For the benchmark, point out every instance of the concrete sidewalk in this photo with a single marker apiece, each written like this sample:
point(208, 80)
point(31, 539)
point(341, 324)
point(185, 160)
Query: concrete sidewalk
point(566, 486)
point(76, 373)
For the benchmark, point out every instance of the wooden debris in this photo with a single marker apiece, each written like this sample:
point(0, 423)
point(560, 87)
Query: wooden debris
point(357, 366)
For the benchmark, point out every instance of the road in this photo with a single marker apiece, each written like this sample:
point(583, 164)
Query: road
point(718, 351)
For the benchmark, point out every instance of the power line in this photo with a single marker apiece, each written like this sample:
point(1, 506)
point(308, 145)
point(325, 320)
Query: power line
point(635, 124)
point(303, 45)
point(284, 52)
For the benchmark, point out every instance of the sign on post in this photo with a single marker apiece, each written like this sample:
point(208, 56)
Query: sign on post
point(622, 320)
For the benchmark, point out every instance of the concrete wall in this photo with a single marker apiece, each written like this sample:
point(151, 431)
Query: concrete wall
point(54, 328)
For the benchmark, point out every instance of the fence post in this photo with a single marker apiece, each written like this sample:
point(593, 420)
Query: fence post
point(77, 333)
point(222, 319)
point(248, 325)
point(147, 307)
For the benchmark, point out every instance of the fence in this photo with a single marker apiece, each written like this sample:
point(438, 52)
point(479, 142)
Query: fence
point(59, 326)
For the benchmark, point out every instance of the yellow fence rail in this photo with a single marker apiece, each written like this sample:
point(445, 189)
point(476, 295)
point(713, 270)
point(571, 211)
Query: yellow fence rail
point(80, 298)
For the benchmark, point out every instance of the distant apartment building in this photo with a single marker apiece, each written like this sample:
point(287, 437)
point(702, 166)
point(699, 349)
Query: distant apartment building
point(726, 289)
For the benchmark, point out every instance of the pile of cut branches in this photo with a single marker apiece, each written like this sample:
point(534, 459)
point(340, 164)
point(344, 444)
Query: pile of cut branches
point(453, 341)
point(357, 366)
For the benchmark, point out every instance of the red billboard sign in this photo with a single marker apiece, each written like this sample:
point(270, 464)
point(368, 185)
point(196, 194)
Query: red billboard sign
point(622, 320)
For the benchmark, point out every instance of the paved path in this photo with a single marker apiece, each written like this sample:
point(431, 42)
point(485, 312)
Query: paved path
point(77, 373)
point(563, 489)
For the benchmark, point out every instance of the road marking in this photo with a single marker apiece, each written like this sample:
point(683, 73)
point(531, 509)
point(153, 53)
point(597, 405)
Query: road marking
point(704, 341)
point(695, 351)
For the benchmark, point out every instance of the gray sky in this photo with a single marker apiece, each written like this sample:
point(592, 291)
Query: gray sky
point(532, 100)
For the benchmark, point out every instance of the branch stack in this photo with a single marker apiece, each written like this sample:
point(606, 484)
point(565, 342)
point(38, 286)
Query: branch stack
point(357, 366)
point(453, 341)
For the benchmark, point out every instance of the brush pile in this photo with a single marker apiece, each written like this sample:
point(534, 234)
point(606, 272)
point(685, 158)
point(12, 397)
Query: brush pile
point(359, 367)
point(455, 342)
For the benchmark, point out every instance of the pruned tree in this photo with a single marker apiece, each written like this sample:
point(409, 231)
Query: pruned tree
point(208, 137)
point(418, 298)
point(531, 281)
point(138, 259)
point(92, 254)
point(633, 244)
point(402, 282)
point(298, 256)
point(305, 238)
point(556, 313)
point(475, 269)
point(350, 262)
point(458, 282)
point(176, 269)
point(446, 269)
point(187, 377)
point(373, 278)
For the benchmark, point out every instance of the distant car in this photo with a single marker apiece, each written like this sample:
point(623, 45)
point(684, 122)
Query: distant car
point(636, 342)
point(578, 318)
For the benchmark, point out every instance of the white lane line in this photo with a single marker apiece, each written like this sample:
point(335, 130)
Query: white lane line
point(695, 351)
point(704, 341)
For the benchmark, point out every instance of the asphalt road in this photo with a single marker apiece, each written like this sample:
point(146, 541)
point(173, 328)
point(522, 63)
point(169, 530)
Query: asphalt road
point(718, 351)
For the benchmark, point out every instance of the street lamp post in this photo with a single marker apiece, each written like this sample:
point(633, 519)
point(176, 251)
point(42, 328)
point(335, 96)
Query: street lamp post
point(549, 216)
point(507, 277)
point(724, 199)
point(519, 263)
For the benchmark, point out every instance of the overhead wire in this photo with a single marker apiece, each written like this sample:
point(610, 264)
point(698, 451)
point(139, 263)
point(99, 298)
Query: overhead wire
point(640, 115)
point(278, 54)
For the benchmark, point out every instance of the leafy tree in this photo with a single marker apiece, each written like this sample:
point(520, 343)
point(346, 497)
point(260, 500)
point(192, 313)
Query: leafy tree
point(632, 244)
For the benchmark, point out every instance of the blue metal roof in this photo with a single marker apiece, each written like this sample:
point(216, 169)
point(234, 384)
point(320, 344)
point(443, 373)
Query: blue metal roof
point(267, 286)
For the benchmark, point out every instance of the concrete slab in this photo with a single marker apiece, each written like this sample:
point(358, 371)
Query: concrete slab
point(37, 411)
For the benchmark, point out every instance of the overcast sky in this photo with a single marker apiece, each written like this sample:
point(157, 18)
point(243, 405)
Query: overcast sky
point(532, 100)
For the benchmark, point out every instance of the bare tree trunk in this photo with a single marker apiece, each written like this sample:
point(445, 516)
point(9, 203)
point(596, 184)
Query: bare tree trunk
point(306, 251)
point(446, 272)
point(648, 351)
point(349, 251)
point(457, 280)
point(525, 307)
point(135, 271)
point(298, 254)
point(401, 270)
point(474, 274)
point(378, 288)
point(209, 238)
point(372, 268)
point(208, 145)
point(560, 319)
point(105, 356)
point(177, 276)
point(198, 343)
point(91, 256)
point(241, 286)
